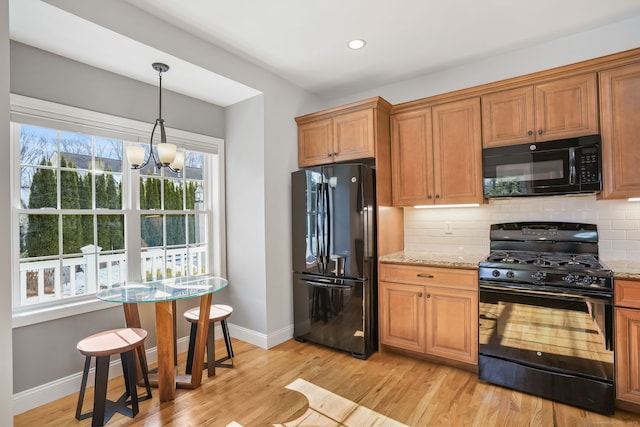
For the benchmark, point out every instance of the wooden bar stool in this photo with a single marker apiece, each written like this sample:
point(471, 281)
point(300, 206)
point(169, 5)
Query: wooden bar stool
point(219, 313)
point(102, 345)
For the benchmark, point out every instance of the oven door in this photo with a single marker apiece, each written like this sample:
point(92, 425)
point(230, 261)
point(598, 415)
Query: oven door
point(567, 334)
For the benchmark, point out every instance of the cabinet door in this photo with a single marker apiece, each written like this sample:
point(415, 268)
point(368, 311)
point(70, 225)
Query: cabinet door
point(353, 136)
point(402, 316)
point(457, 152)
point(411, 157)
point(452, 324)
point(315, 143)
point(508, 117)
point(619, 105)
point(566, 108)
point(628, 355)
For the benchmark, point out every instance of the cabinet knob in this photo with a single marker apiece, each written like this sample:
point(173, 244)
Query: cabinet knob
point(530, 133)
point(429, 197)
point(425, 276)
point(437, 196)
point(428, 295)
point(329, 155)
point(540, 131)
point(419, 294)
point(335, 154)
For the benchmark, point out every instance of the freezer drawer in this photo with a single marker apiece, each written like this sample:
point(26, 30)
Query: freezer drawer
point(338, 313)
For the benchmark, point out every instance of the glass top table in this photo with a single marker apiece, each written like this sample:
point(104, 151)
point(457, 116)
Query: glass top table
point(164, 294)
point(163, 290)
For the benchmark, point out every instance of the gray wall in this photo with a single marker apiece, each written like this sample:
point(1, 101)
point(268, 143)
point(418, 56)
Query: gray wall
point(6, 371)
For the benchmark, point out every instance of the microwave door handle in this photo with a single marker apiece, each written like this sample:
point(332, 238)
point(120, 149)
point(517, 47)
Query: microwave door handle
point(572, 166)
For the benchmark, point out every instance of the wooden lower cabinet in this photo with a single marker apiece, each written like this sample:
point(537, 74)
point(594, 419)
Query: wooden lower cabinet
point(627, 342)
point(627, 355)
point(430, 310)
point(451, 318)
point(402, 316)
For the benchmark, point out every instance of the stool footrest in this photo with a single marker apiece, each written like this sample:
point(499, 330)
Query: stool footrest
point(112, 407)
point(219, 364)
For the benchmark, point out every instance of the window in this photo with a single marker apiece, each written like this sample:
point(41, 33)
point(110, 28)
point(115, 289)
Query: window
point(173, 221)
point(70, 220)
point(81, 219)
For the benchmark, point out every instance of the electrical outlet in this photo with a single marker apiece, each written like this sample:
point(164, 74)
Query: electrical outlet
point(448, 227)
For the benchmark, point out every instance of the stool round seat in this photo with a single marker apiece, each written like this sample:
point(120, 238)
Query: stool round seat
point(114, 341)
point(217, 313)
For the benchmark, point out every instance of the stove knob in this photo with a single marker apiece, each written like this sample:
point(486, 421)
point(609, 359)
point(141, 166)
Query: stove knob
point(587, 280)
point(538, 276)
point(510, 274)
point(570, 278)
point(495, 273)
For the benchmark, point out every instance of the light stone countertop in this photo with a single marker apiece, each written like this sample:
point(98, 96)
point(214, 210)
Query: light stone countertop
point(435, 259)
point(622, 269)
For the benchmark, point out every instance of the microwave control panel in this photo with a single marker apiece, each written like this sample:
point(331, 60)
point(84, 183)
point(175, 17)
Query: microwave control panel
point(588, 166)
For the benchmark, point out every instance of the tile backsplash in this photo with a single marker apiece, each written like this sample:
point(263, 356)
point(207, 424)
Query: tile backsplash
point(467, 229)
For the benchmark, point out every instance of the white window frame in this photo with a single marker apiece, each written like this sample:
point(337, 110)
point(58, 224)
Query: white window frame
point(47, 114)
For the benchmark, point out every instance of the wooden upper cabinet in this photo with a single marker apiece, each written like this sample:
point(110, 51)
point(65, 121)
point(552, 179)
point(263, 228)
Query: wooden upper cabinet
point(411, 158)
point(508, 117)
point(345, 133)
point(315, 142)
point(436, 155)
point(457, 152)
point(558, 109)
point(620, 122)
point(353, 136)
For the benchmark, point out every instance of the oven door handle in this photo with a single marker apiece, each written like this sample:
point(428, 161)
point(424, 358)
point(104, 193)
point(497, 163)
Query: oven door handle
point(558, 295)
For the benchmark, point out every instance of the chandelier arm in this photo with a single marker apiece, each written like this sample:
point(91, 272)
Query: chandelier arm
point(163, 134)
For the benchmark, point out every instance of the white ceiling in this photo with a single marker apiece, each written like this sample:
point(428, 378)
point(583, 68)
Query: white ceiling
point(305, 41)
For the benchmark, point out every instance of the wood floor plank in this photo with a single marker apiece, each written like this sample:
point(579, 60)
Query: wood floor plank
point(387, 389)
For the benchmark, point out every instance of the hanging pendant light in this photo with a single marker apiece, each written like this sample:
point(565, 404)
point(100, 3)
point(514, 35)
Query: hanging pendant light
point(168, 156)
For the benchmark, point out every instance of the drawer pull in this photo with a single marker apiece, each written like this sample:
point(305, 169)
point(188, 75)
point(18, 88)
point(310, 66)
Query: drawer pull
point(425, 276)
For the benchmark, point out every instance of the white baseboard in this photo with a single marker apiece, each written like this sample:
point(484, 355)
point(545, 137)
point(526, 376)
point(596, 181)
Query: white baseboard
point(259, 339)
point(54, 390)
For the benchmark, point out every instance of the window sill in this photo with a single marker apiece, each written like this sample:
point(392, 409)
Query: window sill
point(39, 315)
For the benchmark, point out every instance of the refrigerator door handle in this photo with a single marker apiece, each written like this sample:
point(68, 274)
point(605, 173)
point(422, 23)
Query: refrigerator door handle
point(327, 285)
point(331, 279)
point(318, 224)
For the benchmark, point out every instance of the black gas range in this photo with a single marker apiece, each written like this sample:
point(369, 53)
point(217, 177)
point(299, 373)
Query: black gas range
point(546, 314)
point(551, 256)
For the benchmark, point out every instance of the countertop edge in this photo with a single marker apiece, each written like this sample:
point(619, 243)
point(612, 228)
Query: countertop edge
point(622, 269)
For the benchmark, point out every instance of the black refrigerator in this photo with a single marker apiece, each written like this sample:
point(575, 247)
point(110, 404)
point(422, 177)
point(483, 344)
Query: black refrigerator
point(335, 290)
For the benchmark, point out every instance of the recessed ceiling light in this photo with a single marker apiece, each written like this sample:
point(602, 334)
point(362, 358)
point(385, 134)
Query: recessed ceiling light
point(357, 44)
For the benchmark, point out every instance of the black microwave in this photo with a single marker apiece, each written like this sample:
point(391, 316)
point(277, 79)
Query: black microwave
point(566, 166)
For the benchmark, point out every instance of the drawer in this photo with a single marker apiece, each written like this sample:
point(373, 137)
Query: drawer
point(431, 276)
point(627, 293)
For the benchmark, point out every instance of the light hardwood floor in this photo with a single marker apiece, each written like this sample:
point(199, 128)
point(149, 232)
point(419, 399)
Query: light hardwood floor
point(297, 384)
